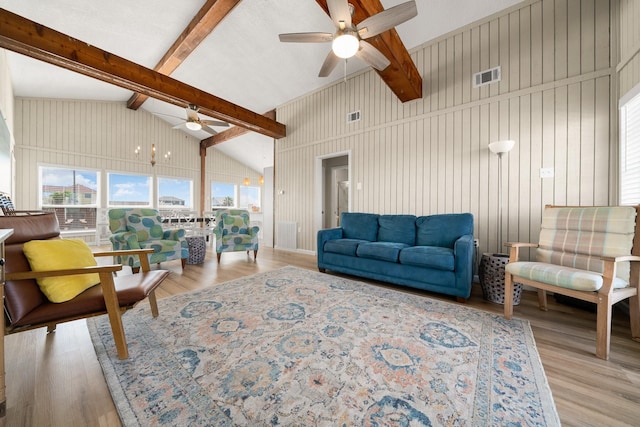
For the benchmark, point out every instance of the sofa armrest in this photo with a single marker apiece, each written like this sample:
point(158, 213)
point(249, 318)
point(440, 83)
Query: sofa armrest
point(23, 275)
point(323, 237)
point(125, 240)
point(463, 251)
point(174, 234)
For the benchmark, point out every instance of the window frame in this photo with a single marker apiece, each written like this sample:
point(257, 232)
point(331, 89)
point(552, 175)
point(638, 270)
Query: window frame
point(629, 148)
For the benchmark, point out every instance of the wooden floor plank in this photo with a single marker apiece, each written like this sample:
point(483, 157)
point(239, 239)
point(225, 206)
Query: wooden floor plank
point(56, 380)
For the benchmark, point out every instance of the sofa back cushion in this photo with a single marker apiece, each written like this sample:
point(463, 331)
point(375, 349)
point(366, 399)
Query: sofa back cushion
point(443, 230)
point(578, 237)
point(397, 229)
point(362, 226)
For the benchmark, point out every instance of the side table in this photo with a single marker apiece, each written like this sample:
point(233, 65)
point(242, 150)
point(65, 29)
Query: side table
point(491, 276)
point(197, 249)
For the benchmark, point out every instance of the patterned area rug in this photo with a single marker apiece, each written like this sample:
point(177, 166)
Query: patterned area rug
point(297, 347)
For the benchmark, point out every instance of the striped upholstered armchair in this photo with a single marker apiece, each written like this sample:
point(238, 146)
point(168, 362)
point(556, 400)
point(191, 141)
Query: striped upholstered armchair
point(141, 228)
point(234, 232)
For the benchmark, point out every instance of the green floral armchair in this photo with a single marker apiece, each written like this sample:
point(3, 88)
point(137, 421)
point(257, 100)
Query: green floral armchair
point(141, 228)
point(234, 232)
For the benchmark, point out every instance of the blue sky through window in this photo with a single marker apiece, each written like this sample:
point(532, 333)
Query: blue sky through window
point(129, 190)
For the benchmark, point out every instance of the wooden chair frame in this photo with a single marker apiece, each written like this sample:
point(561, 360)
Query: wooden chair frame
point(113, 309)
point(605, 298)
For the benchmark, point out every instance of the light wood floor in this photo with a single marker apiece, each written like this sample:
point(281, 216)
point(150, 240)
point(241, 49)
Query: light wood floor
point(56, 380)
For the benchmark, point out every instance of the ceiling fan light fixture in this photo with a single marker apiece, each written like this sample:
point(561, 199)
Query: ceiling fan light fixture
point(346, 44)
point(193, 125)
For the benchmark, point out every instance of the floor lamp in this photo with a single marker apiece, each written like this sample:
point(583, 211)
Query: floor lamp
point(499, 148)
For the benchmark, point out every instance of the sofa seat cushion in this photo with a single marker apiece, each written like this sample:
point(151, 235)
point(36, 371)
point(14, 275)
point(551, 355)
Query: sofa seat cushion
point(343, 246)
point(564, 277)
point(429, 257)
point(237, 239)
point(384, 251)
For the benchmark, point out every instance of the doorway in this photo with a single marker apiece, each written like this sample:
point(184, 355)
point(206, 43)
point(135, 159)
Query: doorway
point(333, 189)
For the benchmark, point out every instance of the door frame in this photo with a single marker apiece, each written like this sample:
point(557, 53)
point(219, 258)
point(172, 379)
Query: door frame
point(318, 188)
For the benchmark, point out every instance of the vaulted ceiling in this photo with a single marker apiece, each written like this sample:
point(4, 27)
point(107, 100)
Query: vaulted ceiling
point(228, 48)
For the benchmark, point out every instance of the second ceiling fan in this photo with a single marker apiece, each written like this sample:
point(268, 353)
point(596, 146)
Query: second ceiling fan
point(349, 39)
point(194, 123)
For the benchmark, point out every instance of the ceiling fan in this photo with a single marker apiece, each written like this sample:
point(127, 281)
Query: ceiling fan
point(349, 39)
point(194, 123)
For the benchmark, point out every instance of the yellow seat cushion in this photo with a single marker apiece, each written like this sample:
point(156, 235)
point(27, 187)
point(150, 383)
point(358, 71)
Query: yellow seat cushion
point(61, 254)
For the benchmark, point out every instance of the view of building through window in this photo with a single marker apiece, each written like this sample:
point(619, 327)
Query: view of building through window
point(175, 193)
point(72, 194)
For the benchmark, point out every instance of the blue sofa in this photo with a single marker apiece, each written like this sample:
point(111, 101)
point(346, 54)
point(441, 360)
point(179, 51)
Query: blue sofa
point(434, 252)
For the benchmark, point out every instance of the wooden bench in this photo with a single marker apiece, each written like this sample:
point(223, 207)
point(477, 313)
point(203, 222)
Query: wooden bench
point(588, 253)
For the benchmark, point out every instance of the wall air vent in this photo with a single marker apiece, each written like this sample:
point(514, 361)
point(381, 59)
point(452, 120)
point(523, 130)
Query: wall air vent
point(353, 117)
point(486, 77)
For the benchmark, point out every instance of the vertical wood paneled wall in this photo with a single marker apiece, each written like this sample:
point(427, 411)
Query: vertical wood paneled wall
point(102, 136)
point(628, 66)
point(430, 156)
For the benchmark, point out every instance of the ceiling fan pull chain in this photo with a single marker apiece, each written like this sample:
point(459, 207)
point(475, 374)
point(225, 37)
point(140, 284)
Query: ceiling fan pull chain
point(345, 70)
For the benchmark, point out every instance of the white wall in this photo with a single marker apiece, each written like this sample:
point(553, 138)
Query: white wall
point(6, 115)
point(430, 155)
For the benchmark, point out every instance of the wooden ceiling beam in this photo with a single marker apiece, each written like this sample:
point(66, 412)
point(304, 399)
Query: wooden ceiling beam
point(228, 134)
point(401, 76)
point(202, 24)
point(29, 38)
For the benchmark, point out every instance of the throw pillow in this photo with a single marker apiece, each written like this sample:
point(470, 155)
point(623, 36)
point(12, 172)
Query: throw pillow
point(61, 254)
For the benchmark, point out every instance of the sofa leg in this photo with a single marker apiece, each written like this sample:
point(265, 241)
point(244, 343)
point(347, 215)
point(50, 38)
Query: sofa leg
point(184, 262)
point(461, 300)
point(322, 270)
point(218, 254)
point(255, 254)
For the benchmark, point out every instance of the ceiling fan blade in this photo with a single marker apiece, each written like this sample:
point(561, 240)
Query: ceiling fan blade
point(387, 19)
point(214, 123)
point(208, 130)
point(339, 11)
point(372, 56)
point(306, 37)
point(180, 126)
point(329, 64)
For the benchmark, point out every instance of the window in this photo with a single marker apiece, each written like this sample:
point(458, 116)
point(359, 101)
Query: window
point(129, 190)
point(630, 149)
point(223, 195)
point(72, 194)
point(175, 193)
point(249, 198)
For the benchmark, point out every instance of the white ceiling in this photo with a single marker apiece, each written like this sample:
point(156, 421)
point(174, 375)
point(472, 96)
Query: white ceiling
point(242, 61)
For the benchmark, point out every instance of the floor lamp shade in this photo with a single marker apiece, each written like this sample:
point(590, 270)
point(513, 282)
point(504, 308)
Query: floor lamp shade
point(500, 147)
